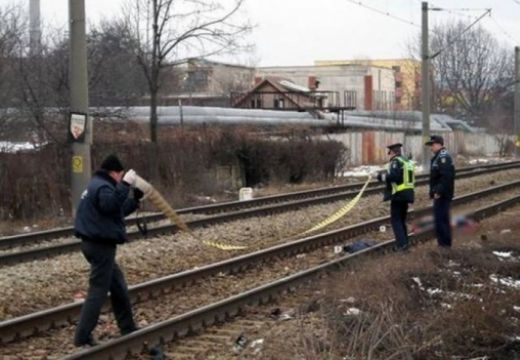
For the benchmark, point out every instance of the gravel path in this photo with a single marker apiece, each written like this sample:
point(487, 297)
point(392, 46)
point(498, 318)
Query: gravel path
point(57, 343)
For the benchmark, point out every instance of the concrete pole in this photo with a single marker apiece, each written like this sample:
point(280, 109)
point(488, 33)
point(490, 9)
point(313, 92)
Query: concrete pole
point(517, 93)
point(81, 163)
point(425, 86)
point(35, 33)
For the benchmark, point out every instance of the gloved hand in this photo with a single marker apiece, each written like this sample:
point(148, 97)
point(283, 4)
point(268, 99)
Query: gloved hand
point(130, 177)
point(381, 176)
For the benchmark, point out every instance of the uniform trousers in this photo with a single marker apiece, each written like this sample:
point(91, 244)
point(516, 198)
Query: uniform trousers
point(105, 276)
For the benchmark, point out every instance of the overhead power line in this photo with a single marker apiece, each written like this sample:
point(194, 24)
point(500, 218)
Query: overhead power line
point(385, 13)
point(488, 11)
point(504, 31)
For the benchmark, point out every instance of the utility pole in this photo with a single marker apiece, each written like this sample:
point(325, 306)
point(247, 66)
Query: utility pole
point(425, 85)
point(80, 129)
point(516, 120)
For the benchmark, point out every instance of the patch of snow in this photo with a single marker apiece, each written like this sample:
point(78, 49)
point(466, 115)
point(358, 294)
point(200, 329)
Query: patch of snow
point(419, 169)
point(417, 281)
point(503, 254)
point(432, 292)
point(516, 308)
point(363, 171)
point(452, 263)
point(353, 311)
point(479, 161)
point(446, 305)
point(257, 345)
point(13, 147)
point(350, 300)
point(459, 295)
point(507, 281)
point(477, 285)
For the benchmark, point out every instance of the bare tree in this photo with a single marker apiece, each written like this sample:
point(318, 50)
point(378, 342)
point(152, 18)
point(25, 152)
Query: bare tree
point(11, 30)
point(167, 30)
point(472, 70)
point(115, 77)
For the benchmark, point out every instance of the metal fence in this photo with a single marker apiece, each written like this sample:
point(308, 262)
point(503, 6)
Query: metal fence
point(369, 147)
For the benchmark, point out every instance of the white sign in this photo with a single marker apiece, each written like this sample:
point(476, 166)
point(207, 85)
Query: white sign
point(78, 123)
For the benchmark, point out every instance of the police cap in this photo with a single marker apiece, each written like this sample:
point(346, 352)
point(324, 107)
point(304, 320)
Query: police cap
point(394, 147)
point(435, 139)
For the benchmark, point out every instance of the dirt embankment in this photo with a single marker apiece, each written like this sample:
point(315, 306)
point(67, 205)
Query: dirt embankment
point(428, 304)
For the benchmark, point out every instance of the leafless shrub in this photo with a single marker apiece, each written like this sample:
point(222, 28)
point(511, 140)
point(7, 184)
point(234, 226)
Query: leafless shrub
point(187, 161)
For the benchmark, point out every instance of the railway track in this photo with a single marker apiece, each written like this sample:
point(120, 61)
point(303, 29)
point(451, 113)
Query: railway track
point(34, 237)
point(342, 192)
point(32, 324)
point(225, 310)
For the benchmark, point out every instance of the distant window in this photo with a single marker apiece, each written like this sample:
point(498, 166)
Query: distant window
point(279, 103)
point(350, 98)
point(259, 103)
point(253, 103)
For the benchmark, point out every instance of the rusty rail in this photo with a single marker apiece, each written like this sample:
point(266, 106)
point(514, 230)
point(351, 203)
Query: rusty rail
point(225, 310)
point(31, 324)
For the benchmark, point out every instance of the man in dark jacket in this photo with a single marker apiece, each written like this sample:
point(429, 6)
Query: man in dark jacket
point(400, 180)
point(442, 184)
point(100, 224)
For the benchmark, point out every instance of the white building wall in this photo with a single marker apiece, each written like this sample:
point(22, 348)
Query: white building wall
point(338, 79)
point(383, 88)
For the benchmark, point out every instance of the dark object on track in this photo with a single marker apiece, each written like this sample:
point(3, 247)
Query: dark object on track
point(358, 246)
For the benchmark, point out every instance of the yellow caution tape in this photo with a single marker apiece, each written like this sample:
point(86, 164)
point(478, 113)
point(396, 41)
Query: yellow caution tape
point(341, 212)
point(158, 200)
point(223, 246)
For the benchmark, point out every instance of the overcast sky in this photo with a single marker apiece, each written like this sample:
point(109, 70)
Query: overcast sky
point(297, 32)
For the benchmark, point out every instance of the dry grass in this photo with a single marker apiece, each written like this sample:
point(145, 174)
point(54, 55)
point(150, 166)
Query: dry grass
point(426, 304)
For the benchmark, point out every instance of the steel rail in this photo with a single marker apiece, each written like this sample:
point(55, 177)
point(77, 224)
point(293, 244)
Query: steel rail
point(28, 325)
point(73, 245)
point(225, 310)
point(39, 236)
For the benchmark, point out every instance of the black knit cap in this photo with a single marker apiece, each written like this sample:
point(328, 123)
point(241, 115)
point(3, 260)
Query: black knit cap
point(112, 163)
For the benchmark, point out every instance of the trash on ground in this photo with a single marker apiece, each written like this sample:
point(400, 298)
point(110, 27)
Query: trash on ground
point(240, 343)
point(257, 345)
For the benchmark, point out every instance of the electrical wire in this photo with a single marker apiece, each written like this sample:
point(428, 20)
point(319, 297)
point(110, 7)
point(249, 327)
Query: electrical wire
point(437, 53)
point(504, 31)
point(385, 13)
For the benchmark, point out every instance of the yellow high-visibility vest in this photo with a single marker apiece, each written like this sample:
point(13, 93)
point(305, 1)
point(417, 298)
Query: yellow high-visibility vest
point(408, 176)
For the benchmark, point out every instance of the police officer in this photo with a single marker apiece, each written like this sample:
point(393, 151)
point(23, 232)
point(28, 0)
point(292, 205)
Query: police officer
point(400, 180)
point(100, 225)
point(442, 184)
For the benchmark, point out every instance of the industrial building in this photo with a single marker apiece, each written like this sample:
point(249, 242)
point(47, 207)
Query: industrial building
point(407, 74)
point(201, 82)
point(358, 86)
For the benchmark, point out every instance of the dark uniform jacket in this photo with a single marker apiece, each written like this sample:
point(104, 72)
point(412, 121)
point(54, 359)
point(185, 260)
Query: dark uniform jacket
point(395, 175)
point(442, 175)
point(102, 209)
